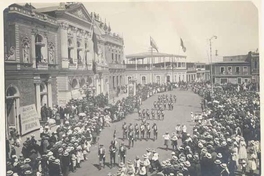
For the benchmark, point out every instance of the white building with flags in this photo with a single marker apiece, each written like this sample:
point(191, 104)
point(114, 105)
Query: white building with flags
point(154, 67)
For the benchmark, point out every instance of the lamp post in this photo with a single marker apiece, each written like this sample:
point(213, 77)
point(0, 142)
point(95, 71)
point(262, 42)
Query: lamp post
point(210, 40)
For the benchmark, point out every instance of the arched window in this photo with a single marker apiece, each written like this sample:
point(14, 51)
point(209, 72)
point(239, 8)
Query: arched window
point(86, 52)
point(12, 106)
point(158, 79)
point(25, 50)
point(51, 53)
point(70, 47)
point(143, 80)
point(74, 83)
point(39, 43)
point(129, 79)
point(82, 82)
point(79, 58)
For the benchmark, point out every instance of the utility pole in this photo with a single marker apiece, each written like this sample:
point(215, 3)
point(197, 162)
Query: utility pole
point(210, 40)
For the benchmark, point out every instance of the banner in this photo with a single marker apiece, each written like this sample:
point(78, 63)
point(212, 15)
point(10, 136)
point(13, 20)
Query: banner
point(29, 119)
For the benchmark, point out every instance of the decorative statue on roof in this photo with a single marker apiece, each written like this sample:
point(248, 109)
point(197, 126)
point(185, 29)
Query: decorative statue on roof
point(109, 28)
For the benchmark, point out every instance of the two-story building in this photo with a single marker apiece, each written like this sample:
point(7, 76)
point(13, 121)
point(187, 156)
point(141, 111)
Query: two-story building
point(152, 67)
point(197, 72)
point(31, 60)
point(233, 69)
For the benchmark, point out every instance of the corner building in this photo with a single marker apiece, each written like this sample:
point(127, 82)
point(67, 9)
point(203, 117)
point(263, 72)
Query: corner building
point(31, 60)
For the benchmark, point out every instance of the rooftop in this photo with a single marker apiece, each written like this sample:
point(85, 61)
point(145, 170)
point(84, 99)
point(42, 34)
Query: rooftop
point(149, 54)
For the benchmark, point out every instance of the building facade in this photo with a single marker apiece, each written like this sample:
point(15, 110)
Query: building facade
point(50, 56)
point(31, 60)
point(253, 58)
point(76, 52)
point(197, 72)
point(158, 68)
point(233, 71)
point(114, 55)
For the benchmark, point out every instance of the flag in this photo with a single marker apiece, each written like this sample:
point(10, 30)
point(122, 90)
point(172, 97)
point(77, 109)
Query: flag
point(183, 47)
point(94, 67)
point(153, 44)
point(257, 50)
point(95, 41)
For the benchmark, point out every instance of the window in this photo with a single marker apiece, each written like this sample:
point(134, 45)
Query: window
point(70, 47)
point(246, 80)
point(223, 81)
point(245, 70)
point(229, 70)
point(129, 79)
point(116, 58)
point(179, 64)
point(239, 80)
point(256, 64)
point(113, 58)
point(143, 80)
point(38, 45)
point(86, 52)
point(237, 70)
point(158, 79)
point(183, 64)
point(222, 70)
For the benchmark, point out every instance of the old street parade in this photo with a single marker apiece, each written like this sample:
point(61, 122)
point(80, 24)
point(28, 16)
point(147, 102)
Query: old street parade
point(225, 136)
point(131, 89)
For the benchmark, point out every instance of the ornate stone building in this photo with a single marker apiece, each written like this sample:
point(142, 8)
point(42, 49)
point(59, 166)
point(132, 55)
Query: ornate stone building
point(114, 54)
point(31, 60)
point(76, 52)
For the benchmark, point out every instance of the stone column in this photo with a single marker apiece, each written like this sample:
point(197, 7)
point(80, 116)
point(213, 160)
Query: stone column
point(64, 45)
point(37, 82)
point(74, 41)
point(33, 52)
point(102, 85)
point(49, 92)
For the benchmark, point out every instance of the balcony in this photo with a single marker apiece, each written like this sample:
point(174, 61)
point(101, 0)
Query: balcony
point(72, 66)
point(117, 66)
point(42, 66)
point(232, 73)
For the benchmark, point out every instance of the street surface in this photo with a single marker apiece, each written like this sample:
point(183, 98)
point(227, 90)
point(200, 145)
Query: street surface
point(187, 102)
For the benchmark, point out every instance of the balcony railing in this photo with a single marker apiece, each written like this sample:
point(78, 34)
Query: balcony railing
point(72, 66)
point(118, 65)
point(233, 73)
point(42, 66)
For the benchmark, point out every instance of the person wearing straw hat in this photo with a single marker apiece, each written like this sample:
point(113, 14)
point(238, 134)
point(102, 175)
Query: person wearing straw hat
point(225, 171)
point(146, 163)
point(122, 153)
point(101, 156)
point(142, 169)
point(174, 141)
point(112, 151)
point(65, 164)
point(137, 164)
point(166, 137)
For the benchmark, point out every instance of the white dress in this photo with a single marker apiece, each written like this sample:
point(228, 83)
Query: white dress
point(252, 162)
point(242, 150)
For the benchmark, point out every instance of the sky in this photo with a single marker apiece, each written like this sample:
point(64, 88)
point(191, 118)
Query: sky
point(234, 23)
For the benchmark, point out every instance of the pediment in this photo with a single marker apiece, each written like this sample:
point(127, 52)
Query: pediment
point(80, 12)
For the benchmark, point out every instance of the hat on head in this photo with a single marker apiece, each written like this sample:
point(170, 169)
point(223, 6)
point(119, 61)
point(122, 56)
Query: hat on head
point(65, 154)
point(28, 172)
point(219, 155)
point(217, 162)
point(208, 155)
point(57, 161)
point(187, 163)
point(223, 165)
point(9, 173)
point(27, 160)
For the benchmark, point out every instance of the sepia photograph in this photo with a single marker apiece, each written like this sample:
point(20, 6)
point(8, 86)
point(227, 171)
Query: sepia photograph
point(146, 88)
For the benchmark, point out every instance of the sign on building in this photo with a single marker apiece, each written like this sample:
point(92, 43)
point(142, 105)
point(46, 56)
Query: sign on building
point(29, 119)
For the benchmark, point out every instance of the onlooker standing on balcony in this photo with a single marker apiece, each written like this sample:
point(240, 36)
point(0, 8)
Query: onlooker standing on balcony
point(44, 113)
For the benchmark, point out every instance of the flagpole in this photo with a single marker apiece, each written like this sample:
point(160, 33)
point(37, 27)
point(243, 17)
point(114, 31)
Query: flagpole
point(151, 64)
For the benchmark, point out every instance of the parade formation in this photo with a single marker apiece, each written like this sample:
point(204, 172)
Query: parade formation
point(77, 105)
